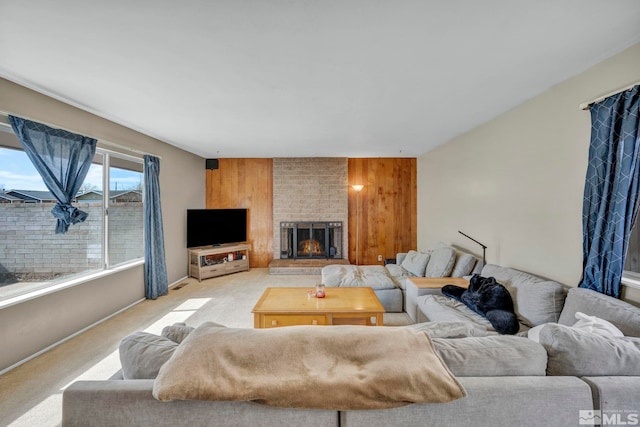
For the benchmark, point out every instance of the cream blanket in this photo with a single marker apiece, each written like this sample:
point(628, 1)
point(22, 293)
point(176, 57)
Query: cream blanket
point(325, 367)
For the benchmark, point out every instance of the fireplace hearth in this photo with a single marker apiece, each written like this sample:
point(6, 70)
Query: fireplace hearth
point(305, 240)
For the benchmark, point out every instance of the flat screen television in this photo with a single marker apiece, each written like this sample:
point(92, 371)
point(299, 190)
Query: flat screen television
point(213, 227)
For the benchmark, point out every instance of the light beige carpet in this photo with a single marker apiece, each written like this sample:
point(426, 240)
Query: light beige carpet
point(31, 394)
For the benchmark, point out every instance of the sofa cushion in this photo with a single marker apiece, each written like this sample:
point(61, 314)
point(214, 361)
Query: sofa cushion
point(374, 276)
point(142, 355)
point(399, 274)
point(464, 265)
point(450, 329)
point(591, 324)
point(489, 299)
point(440, 308)
point(415, 263)
point(492, 356)
point(441, 262)
point(578, 353)
point(623, 315)
point(536, 300)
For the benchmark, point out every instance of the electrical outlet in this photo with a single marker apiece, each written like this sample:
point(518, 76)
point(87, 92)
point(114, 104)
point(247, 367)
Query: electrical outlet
point(379, 257)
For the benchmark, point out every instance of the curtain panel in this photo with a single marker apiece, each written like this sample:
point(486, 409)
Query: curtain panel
point(155, 270)
point(62, 159)
point(611, 191)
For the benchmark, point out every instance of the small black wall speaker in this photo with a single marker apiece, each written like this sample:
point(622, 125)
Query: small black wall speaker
point(212, 163)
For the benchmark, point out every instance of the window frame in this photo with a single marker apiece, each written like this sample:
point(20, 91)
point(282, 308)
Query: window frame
point(630, 279)
point(106, 179)
point(108, 267)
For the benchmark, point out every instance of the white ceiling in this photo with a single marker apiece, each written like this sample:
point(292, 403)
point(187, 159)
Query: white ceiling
point(280, 78)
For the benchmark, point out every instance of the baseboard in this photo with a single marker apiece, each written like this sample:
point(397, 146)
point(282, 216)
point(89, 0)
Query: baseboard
point(57, 343)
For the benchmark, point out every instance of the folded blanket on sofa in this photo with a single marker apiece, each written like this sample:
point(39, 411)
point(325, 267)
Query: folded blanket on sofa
point(325, 367)
point(489, 299)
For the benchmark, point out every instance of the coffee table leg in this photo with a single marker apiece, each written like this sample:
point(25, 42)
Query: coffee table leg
point(379, 321)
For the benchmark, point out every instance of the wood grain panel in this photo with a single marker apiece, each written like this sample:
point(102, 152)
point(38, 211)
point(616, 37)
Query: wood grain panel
point(247, 183)
point(388, 204)
point(387, 208)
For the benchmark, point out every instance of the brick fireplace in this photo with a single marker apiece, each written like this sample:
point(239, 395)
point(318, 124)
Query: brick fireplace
point(313, 193)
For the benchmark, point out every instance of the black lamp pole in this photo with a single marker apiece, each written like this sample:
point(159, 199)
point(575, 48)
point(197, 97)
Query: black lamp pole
point(484, 248)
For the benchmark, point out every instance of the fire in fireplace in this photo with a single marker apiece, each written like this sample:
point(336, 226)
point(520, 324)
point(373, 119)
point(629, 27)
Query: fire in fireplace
point(310, 240)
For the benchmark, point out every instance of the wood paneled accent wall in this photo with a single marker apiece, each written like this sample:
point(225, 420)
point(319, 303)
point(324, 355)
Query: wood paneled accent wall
point(246, 183)
point(387, 208)
point(387, 211)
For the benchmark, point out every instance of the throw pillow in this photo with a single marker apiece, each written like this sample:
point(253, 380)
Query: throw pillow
point(591, 324)
point(415, 263)
point(573, 352)
point(142, 355)
point(177, 332)
point(492, 356)
point(595, 325)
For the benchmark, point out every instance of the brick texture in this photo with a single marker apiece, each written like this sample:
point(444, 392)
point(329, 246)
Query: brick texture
point(30, 249)
point(310, 189)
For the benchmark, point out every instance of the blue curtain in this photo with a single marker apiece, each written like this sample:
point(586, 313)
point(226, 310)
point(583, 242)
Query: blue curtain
point(611, 190)
point(155, 269)
point(63, 159)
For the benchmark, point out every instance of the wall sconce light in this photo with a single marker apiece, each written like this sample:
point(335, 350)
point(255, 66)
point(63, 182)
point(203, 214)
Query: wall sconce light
point(357, 188)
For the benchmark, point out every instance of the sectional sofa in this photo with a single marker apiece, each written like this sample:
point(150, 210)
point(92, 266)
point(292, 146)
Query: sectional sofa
point(389, 282)
point(567, 376)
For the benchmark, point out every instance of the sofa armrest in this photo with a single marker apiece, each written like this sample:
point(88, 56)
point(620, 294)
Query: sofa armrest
point(491, 401)
point(616, 394)
point(130, 402)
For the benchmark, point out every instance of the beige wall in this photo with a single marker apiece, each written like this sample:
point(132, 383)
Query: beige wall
point(516, 182)
point(34, 325)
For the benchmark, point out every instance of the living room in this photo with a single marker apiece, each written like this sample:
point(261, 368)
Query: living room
point(514, 182)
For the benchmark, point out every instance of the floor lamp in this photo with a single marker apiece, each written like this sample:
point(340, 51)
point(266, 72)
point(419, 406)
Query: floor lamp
point(358, 188)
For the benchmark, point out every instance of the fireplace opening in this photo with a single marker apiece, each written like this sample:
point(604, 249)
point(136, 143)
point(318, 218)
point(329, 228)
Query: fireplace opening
point(310, 240)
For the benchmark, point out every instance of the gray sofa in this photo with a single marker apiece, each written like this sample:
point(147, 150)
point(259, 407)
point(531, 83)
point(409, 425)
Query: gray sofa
point(389, 282)
point(509, 380)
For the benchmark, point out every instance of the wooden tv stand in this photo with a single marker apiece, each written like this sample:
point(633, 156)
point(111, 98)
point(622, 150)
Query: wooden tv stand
point(213, 261)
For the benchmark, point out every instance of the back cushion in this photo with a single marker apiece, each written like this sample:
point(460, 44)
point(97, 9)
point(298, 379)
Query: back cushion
point(578, 353)
point(464, 265)
point(623, 315)
point(536, 300)
point(415, 263)
point(441, 262)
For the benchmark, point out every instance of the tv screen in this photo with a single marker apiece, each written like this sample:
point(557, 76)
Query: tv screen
point(211, 227)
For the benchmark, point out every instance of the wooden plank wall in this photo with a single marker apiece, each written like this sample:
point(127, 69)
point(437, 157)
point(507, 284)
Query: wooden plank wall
point(246, 183)
point(387, 208)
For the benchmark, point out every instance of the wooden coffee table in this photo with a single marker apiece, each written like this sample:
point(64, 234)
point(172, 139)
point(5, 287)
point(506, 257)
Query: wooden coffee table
point(293, 306)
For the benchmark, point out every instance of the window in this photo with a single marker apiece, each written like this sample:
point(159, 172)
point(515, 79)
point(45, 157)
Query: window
point(32, 256)
point(631, 274)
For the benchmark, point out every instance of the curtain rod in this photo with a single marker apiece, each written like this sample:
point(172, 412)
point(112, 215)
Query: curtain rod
point(4, 121)
point(587, 105)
